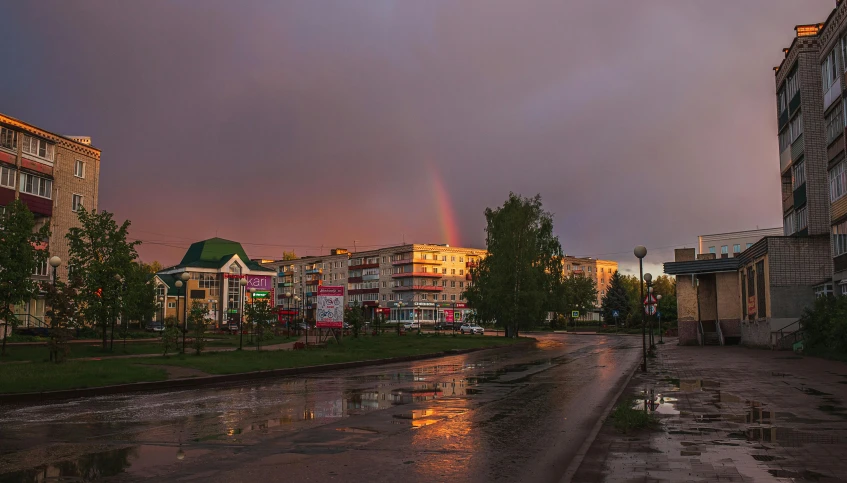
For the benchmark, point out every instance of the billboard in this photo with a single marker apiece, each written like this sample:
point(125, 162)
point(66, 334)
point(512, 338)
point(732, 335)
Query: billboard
point(330, 311)
point(448, 316)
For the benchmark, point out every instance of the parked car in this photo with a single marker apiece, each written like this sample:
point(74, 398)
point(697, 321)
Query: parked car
point(471, 329)
point(446, 326)
point(155, 327)
point(411, 325)
point(233, 327)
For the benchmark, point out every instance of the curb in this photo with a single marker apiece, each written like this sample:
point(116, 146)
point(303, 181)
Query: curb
point(239, 377)
point(578, 458)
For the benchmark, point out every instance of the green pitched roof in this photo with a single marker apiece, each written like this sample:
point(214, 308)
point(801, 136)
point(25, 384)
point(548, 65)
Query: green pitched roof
point(214, 252)
point(169, 281)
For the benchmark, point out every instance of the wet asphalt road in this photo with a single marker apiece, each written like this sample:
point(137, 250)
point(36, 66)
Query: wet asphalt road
point(504, 415)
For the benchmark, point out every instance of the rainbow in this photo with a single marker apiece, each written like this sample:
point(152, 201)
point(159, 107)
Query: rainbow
point(446, 214)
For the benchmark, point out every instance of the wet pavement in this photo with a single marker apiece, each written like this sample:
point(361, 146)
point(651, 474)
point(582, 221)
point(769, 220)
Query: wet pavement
point(516, 414)
point(730, 414)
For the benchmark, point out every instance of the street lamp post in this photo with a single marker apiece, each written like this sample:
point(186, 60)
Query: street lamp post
point(648, 279)
point(55, 262)
point(252, 291)
point(242, 284)
point(162, 306)
point(659, 318)
point(288, 320)
point(184, 276)
point(120, 281)
point(399, 315)
point(640, 252)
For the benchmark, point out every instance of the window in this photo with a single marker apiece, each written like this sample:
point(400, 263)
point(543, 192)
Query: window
point(38, 147)
point(844, 289)
point(749, 245)
point(444, 283)
point(7, 177)
point(461, 284)
point(41, 269)
point(36, 186)
point(839, 239)
point(171, 305)
point(452, 259)
point(788, 224)
point(736, 248)
point(798, 174)
point(837, 181)
point(802, 218)
point(444, 296)
point(791, 85)
point(724, 249)
point(76, 204)
point(711, 249)
point(829, 69)
point(444, 271)
point(461, 272)
point(452, 271)
point(569, 268)
point(834, 123)
point(796, 126)
point(461, 259)
point(8, 138)
point(823, 290)
point(780, 101)
point(452, 283)
point(79, 169)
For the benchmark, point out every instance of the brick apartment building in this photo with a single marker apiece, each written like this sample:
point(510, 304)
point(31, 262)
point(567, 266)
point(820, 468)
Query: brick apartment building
point(731, 244)
point(53, 176)
point(756, 296)
point(405, 282)
point(600, 271)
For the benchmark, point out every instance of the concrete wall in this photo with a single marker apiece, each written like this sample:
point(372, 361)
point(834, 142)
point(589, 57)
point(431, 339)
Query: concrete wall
point(686, 298)
point(729, 295)
point(708, 297)
point(688, 332)
point(755, 333)
point(789, 302)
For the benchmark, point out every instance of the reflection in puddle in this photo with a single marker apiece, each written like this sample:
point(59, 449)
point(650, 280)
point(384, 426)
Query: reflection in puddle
point(656, 403)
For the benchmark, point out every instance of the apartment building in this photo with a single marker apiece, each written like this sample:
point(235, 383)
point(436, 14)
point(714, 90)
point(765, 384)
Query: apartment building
point(600, 271)
point(731, 244)
point(407, 282)
point(832, 58)
point(298, 281)
point(53, 175)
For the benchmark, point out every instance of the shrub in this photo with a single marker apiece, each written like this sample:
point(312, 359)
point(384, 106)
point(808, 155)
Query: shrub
point(825, 324)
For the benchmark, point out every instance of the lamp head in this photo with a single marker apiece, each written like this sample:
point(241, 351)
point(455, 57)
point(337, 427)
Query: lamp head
point(648, 278)
point(288, 294)
point(640, 251)
point(243, 282)
point(178, 284)
point(184, 276)
point(55, 261)
point(658, 297)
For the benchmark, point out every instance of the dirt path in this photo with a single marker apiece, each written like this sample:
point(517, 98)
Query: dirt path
point(178, 372)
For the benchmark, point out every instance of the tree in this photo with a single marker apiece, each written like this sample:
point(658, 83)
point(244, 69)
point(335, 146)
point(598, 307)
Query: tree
point(153, 267)
point(61, 302)
point(19, 257)
point(260, 316)
point(666, 287)
point(197, 319)
point(170, 336)
point(617, 298)
point(289, 255)
point(99, 250)
point(353, 315)
point(634, 288)
point(138, 301)
point(581, 294)
point(512, 285)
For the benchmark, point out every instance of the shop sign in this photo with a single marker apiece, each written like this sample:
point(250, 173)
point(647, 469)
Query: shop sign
point(330, 313)
point(260, 295)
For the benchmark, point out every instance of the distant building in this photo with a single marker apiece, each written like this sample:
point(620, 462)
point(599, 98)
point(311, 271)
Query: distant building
point(600, 271)
point(404, 282)
point(727, 245)
point(53, 176)
point(215, 268)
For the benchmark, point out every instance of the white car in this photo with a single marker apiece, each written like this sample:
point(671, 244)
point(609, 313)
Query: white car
point(471, 329)
point(411, 325)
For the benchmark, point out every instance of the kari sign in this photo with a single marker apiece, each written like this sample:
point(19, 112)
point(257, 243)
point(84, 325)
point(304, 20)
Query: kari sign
point(259, 282)
point(330, 311)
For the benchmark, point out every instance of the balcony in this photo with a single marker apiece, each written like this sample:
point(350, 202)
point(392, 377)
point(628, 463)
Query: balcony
point(468, 277)
point(357, 291)
point(409, 261)
point(832, 94)
point(287, 273)
point(471, 264)
point(370, 277)
point(363, 266)
point(313, 271)
point(424, 288)
point(284, 284)
point(37, 205)
point(354, 279)
point(313, 282)
point(788, 203)
point(417, 274)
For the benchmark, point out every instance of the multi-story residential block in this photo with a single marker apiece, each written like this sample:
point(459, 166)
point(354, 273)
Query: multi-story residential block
point(403, 283)
point(728, 245)
point(832, 40)
point(54, 176)
point(600, 271)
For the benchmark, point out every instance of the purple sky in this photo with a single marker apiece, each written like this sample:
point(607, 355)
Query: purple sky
point(300, 124)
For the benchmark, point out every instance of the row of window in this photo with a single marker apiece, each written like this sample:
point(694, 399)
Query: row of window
point(837, 181)
point(787, 93)
point(34, 185)
point(795, 221)
point(835, 122)
point(791, 133)
point(839, 239)
point(798, 174)
point(830, 69)
point(736, 248)
point(423, 297)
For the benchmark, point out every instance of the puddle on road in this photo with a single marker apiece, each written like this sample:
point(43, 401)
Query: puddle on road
point(92, 467)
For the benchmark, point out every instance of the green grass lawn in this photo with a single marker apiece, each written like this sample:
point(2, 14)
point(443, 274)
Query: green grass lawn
point(350, 349)
point(40, 353)
point(47, 376)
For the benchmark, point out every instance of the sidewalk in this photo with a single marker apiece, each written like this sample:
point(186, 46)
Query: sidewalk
point(731, 414)
point(247, 347)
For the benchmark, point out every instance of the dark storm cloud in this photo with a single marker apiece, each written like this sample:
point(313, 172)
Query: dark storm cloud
point(308, 123)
